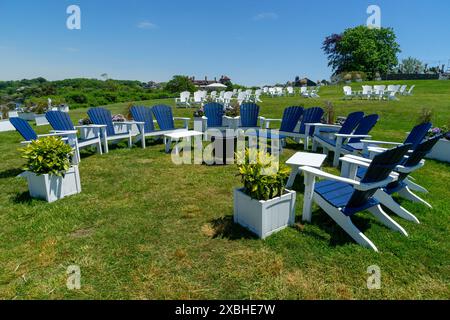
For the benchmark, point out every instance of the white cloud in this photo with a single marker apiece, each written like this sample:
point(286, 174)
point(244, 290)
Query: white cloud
point(265, 16)
point(146, 25)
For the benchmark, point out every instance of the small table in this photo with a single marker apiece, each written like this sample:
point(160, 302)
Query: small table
point(169, 137)
point(303, 159)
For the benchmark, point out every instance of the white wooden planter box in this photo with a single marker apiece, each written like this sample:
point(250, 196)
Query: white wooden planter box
point(441, 151)
point(232, 123)
point(5, 125)
point(264, 218)
point(13, 114)
point(87, 133)
point(27, 116)
point(120, 128)
point(52, 188)
point(41, 120)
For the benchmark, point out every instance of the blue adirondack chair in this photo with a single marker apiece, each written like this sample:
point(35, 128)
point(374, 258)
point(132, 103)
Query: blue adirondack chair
point(143, 116)
point(351, 143)
point(401, 186)
point(165, 119)
point(311, 117)
point(249, 115)
point(341, 198)
point(214, 113)
point(27, 132)
point(61, 123)
point(291, 117)
point(415, 137)
point(323, 132)
point(103, 117)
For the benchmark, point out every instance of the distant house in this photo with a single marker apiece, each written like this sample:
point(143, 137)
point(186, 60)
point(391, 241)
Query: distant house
point(304, 82)
point(203, 83)
point(152, 85)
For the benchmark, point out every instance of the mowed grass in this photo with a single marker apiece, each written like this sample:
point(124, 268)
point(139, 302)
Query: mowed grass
point(144, 228)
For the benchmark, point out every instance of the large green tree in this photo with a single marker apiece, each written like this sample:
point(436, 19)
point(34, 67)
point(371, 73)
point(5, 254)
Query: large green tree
point(362, 49)
point(179, 84)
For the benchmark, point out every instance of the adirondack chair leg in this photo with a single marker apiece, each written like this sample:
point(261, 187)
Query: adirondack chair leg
point(99, 147)
point(409, 195)
point(346, 223)
point(414, 186)
point(306, 143)
point(130, 141)
point(295, 171)
point(386, 220)
point(387, 201)
point(314, 146)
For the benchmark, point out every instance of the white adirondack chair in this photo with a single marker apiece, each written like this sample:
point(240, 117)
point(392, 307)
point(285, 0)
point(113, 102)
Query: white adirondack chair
point(402, 90)
point(348, 93)
point(290, 91)
point(227, 98)
point(183, 100)
point(242, 97)
point(366, 92)
point(304, 92)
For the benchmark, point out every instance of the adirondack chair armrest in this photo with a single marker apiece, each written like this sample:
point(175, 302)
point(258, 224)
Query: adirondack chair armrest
point(381, 142)
point(352, 135)
point(351, 160)
point(362, 159)
point(97, 126)
point(403, 169)
point(356, 184)
point(59, 133)
point(322, 174)
point(186, 121)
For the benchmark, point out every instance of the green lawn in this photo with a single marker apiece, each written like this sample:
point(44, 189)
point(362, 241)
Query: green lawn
point(144, 228)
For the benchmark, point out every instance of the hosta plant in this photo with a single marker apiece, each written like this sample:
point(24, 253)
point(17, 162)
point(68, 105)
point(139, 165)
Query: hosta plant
point(262, 175)
point(47, 155)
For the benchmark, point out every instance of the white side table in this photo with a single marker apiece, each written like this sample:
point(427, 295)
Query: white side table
point(174, 136)
point(303, 159)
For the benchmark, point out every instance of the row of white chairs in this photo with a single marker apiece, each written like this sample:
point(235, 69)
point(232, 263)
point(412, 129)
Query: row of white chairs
point(311, 92)
point(378, 92)
point(201, 97)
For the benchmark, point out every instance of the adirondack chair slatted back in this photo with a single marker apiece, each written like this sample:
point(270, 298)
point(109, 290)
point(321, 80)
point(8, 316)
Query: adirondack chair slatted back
point(214, 112)
point(59, 121)
point(417, 134)
point(379, 169)
point(164, 116)
point(351, 122)
point(143, 114)
point(291, 116)
point(249, 115)
point(311, 115)
point(419, 153)
point(24, 128)
point(101, 116)
point(364, 127)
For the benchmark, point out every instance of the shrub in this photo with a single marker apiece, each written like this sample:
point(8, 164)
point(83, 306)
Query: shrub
point(233, 110)
point(48, 155)
point(425, 116)
point(261, 174)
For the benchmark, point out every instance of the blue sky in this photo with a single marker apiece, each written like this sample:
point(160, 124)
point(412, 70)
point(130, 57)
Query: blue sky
point(254, 42)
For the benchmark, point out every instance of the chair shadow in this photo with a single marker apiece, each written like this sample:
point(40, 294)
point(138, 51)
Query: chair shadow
point(10, 173)
point(225, 228)
point(338, 237)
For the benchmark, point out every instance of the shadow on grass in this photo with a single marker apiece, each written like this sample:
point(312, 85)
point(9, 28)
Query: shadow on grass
point(22, 198)
point(226, 228)
point(338, 237)
point(10, 173)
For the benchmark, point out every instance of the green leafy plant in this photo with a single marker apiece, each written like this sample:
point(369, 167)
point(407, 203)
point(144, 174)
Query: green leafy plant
point(47, 155)
point(330, 113)
point(262, 175)
point(426, 115)
point(233, 110)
